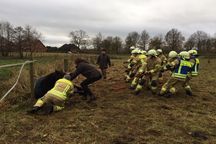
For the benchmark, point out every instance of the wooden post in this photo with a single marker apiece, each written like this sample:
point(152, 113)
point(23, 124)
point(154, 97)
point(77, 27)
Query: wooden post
point(66, 65)
point(31, 73)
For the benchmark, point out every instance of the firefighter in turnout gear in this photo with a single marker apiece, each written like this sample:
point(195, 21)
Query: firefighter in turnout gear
point(195, 65)
point(171, 62)
point(195, 62)
point(56, 96)
point(161, 56)
point(131, 69)
point(181, 71)
point(153, 69)
point(163, 62)
point(141, 69)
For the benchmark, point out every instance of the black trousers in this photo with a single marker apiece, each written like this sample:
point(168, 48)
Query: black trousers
point(87, 82)
point(103, 71)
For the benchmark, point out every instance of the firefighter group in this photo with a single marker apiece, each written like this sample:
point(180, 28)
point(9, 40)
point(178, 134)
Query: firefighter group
point(146, 69)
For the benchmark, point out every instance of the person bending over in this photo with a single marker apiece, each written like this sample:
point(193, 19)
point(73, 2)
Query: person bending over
point(90, 72)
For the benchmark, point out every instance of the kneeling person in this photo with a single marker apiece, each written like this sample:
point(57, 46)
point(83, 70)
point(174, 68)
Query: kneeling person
point(56, 96)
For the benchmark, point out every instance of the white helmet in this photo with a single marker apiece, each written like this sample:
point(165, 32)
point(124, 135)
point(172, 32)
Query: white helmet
point(152, 52)
point(143, 52)
point(193, 52)
point(159, 51)
point(140, 51)
point(173, 54)
point(135, 51)
point(132, 47)
point(184, 55)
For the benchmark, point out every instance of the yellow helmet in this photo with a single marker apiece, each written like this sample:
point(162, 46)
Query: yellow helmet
point(152, 52)
point(173, 54)
point(132, 47)
point(143, 52)
point(135, 51)
point(184, 55)
point(193, 52)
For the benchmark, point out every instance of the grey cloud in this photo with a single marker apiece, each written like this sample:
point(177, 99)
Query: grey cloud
point(55, 19)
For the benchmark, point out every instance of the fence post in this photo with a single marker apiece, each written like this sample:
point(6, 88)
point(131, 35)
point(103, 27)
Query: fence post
point(65, 65)
point(31, 72)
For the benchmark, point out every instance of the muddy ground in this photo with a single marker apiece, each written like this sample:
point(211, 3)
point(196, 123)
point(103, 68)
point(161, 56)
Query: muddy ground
point(119, 117)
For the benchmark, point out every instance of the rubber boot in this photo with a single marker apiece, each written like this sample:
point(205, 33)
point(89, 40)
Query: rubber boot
point(91, 98)
point(34, 110)
point(168, 95)
point(137, 92)
point(189, 93)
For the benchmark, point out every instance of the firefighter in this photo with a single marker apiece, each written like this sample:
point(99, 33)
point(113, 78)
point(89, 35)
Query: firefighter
point(181, 71)
point(195, 62)
point(163, 62)
point(131, 70)
point(153, 69)
point(141, 69)
point(161, 56)
point(56, 96)
point(195, 65)
point(172, 60)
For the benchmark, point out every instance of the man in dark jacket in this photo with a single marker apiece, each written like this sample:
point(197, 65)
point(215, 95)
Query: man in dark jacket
point(91, 74)
point(103, 61)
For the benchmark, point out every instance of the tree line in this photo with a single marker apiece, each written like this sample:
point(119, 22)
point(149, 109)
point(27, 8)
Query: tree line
point(172, 40)
point(23, 39)
point(17, 39)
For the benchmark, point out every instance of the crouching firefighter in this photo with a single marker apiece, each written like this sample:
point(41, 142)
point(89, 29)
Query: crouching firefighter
point(139, 78)
point(153, 69)
point(131, 68)
point(182, 70)
point(56, 96)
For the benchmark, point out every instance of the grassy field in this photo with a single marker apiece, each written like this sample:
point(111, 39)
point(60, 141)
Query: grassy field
point(117, 117)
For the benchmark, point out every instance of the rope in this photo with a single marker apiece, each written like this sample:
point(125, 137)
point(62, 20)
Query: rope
point(23, 64)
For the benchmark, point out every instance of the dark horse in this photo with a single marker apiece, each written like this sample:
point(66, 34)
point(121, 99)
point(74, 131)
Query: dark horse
point(47, 82)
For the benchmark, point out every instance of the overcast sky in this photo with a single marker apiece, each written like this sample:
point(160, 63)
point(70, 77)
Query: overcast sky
point(56, 18)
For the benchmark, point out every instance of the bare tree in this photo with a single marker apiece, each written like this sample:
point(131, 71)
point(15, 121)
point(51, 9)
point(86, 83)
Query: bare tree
point(200, 38)
point(132, 39)
point(107, 43)
point(97, 41)
point(214, 44)
point(144, 39)
point(156, 42)
point(19, 39)
point(6, 36)
point(116, 44)
point(78, 38)
point(190, 43)
point(31, 36)
point(1, 38)
point(174, 39)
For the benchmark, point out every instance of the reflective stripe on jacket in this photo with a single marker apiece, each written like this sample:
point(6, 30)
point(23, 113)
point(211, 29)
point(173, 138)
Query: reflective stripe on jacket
point(182, 70)
point(195, 67)
point(62, 88)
